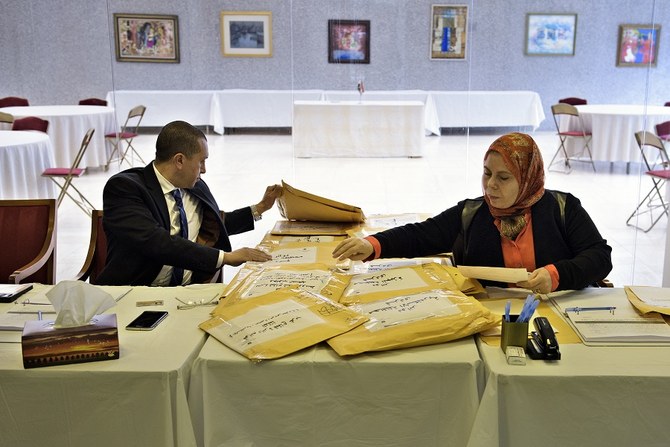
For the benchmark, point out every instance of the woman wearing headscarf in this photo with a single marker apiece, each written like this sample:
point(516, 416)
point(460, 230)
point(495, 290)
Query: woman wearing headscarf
point(517, 223)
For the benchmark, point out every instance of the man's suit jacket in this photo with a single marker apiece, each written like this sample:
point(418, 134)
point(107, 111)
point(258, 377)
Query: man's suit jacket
point(137, 225)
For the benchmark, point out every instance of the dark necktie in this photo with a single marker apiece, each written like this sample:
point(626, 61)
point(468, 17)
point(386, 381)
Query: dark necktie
point(178, 272)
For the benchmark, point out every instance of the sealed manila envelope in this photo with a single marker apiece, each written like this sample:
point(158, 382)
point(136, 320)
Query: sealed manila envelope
point(302, 253)
point(280, 323)
point(414, 319)
point(499, 274)
point(374, 286)
point(648, 299)
point(317, 278)
point(312, 228)
point(300, 205)
point(271, 239)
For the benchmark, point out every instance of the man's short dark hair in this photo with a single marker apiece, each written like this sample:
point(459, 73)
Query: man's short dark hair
point(178, 137)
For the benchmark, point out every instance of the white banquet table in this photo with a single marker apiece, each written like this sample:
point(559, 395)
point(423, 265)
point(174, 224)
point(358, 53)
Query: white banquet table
point(24, 155)
point(425, 396)
point(139, 399)
point(595, 396)
point(358, 129)
point(478, 108)
point(613, 127)
point(67, 126)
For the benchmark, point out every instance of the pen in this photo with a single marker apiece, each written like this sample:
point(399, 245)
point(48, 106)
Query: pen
point(39, 315)
point(586, 309)
point(508, 306)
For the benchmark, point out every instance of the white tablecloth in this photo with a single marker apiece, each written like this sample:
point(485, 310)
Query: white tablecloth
point(613, 127)
point(489, 108)
point(67, 126)
point(424, 396)
point(235, 108)
point(139, 399)
point(595, 396)
point(358, 129)
point(24, 155)
point(164, 106)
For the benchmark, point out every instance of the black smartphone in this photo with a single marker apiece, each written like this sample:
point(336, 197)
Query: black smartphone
point(147, 320)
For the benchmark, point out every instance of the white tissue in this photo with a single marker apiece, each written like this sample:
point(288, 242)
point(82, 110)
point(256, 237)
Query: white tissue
point(76, 302)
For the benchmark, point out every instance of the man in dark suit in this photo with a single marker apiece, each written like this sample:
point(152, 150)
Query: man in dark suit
point(162, 223)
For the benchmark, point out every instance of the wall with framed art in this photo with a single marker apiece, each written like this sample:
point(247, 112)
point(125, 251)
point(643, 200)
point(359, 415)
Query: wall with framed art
point(424, 44)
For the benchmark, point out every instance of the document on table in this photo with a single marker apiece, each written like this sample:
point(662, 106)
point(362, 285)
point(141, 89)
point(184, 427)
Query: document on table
point(609, 319)
point(500, 274)
point(649, 299)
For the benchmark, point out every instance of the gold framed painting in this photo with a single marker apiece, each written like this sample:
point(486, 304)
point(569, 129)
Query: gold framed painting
point(146, 38)
point(246, 33)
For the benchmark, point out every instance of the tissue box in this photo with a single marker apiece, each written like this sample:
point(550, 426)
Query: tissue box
point(44, 345)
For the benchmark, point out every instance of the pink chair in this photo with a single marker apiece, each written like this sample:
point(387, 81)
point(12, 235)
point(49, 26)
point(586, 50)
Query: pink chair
point(12, 101)
point(576, 131)
point(663, 130)
point(31, 123)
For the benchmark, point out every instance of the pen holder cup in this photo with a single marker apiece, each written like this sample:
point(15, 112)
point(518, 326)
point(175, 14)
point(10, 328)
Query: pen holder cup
point(513, 333)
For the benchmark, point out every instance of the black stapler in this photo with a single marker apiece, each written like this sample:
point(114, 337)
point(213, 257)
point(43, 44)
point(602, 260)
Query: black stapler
point(543, 345)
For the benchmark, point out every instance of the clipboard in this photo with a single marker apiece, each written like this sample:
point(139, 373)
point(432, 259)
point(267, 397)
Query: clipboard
point(295, 204)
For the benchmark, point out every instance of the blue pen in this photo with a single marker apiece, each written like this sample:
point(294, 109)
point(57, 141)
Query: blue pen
point(508, 306)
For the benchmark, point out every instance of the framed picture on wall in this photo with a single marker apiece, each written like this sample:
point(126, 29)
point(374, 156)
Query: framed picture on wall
point(638, 45)
point(448, 35)
point(349, 41)
point(550, 34)
point(246, 33)
point(146, 38)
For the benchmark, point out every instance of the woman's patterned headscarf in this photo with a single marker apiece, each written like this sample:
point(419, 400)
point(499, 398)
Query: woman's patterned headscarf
point(524, 160)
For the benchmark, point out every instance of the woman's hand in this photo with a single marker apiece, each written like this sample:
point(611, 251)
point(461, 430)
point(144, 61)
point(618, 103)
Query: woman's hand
point(539, 281)
point(356, 249)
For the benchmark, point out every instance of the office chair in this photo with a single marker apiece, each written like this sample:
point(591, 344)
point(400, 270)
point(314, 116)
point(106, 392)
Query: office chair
point(93, 102)
point(68, 174)
point(575, 131)
point(654, 198)
point(13, 101)
point(128, 133)
point(573, 101)
point(31, 123)
point(97, 251)
point(28, 241)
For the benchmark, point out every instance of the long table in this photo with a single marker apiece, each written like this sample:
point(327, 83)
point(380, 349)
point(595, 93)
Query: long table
point(426, 396)
point(23, 158)
point(245, 108)
point(138, 400)
point(358, 129)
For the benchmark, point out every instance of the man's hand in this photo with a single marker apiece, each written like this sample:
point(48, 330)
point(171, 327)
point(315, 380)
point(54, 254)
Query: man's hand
point(242, 255)
point(272, 192)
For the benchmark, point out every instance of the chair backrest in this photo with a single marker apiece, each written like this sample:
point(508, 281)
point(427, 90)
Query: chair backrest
point(663, 130)
point(97, 251)
point(576, 124)
point(13, 101)
point(28, 241)
point(646, 139)
point(573, 101)
point(82, 149)
point(136, 112)
point(667, 104)
point(31, 123)
point(93, 102)
point(6, 118)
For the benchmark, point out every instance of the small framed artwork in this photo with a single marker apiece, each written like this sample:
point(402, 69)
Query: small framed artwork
point(448, 36)
point(638, 45)
point(349, 41)
point(246, 33)
point(550, 34)
point(146, 38)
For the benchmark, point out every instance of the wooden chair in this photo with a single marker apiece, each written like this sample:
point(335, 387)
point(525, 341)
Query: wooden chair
point(573, 101)
point(129, 131)
point(66, 175)
point(13, 101)
point(576, 131)
point(31, 123)
point(93, 102)
point(654, 199)
point(97, 250)
point(28, 241)
point(96, 257)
